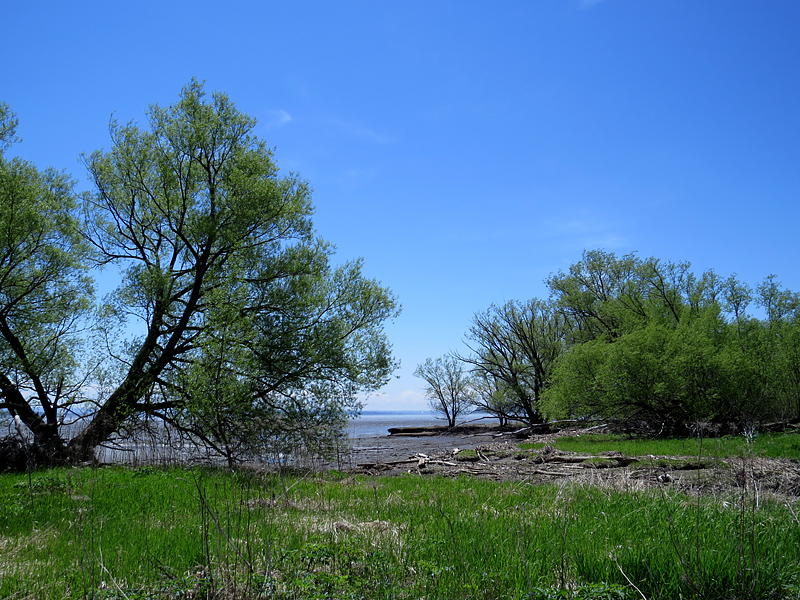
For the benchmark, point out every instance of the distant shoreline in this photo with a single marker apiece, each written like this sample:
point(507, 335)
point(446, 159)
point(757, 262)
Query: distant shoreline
point(445, 430)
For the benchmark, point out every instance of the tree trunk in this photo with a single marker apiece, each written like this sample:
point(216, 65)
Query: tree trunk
point(107, 421)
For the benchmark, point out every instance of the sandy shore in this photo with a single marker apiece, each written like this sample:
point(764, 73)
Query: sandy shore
point(390, 448)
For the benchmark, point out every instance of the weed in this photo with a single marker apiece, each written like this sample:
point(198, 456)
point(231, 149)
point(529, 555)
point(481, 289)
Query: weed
point(467, 456)
point(172, 533)
point(771, 445)
point(531, 446)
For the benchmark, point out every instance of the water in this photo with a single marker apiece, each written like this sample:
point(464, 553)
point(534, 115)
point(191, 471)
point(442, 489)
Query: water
point(370, 441)
point(375, 423)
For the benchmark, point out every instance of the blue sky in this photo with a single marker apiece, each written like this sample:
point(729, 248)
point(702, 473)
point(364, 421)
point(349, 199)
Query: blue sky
point(464, 149)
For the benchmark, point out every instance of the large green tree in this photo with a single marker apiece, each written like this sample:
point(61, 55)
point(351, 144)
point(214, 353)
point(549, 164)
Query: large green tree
point(514, 348)
point(659, 378)
point(658, 347)
point(45, 295)
point(234, 313)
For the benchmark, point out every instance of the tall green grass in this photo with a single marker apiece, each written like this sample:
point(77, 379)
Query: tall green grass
point(786, 445)
point(183, 533)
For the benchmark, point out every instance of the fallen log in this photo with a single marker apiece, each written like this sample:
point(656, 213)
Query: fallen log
point(622, 461)
point(473, 472)
point(391, 463)
point(567, 459)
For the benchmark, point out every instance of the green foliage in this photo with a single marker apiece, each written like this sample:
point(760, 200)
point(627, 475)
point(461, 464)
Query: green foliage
point(661, 350)
point(45, 295)
point(661, 376)
point(768, 445)
point(643, 342)
point(514, 348)
point(245, 330)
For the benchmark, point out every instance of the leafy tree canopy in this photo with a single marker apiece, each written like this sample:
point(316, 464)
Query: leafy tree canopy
point(45, 294)
point(513, 349)
point(237, 313)
point(657, 347)
point(643, 342)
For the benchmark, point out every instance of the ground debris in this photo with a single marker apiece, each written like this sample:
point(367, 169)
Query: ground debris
point(497, 459)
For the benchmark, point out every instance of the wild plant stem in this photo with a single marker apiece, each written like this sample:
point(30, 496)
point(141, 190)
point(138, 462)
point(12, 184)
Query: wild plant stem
point(220, 528)
point(633, 585)
point(110, 576)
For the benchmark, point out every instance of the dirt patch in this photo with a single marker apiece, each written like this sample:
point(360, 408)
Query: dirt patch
point(497, 455)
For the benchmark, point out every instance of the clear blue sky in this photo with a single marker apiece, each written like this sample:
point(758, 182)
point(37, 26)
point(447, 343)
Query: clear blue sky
point(464, 149)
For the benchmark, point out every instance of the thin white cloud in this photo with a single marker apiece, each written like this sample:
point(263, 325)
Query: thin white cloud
point(361, 132)
point(582, 230)
point(585, 231)
point(355, 177)
point(276, 118)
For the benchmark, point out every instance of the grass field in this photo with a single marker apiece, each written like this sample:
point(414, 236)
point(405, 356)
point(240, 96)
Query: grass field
point(775, 445)
point(194, 533)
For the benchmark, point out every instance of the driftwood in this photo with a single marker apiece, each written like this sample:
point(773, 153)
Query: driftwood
point(473, 472)
point(539, 429)
point(392, 463)
point(447, 463)
point(622, 461)
point(566, 461)
point(421, 461)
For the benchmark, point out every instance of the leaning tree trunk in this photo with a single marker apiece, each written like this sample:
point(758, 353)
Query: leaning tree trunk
point(107, 421)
